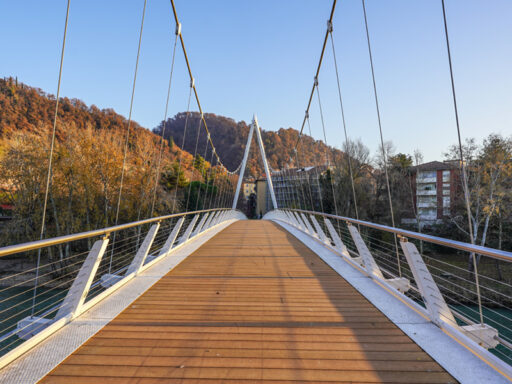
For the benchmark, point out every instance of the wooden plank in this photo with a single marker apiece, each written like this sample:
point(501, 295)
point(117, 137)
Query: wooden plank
point(251, 305)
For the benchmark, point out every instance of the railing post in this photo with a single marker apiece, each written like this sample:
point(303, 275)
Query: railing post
point(338, 243)
point(209, 221)
point(80, 288)
point(291, 219)
point(434, 301)
point(319, 230)
point(294, 221)
point(142, 252)
point(369, 262)
point(189, 229)
point(172, 237)
point(200, 225)
point(308, 225)
point(401, 284)
point(218, 218)
point(300, 221)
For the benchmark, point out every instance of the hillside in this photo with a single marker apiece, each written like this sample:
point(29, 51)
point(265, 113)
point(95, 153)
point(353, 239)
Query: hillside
point(230, 137)
point(86, 169)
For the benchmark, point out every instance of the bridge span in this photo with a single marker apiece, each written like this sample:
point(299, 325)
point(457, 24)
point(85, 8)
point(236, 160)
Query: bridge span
point(250, 301)
point(253, 304)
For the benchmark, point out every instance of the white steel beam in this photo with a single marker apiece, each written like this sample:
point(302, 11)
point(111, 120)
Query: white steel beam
point(242, 168)
point(265, 163)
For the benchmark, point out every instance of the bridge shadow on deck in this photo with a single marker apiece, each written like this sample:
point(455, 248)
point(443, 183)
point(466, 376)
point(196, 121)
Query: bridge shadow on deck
point(252, 304)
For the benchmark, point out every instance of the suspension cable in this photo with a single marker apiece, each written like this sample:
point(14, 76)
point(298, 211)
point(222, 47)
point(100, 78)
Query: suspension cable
point(384, 154)
point(193, 84)
point(157, 177)
point(462, 165)
point(182, 146)
point(344, 123)
point(128, 131)
point(316, 75)
point(50, 159)
point(327, 157)
point(316, 171)
point(194, 160)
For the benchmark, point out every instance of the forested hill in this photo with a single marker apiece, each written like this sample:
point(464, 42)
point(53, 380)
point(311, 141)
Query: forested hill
point(230, 137)
point(29, 109)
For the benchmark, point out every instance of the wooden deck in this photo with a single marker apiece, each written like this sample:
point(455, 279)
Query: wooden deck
point(251, 305)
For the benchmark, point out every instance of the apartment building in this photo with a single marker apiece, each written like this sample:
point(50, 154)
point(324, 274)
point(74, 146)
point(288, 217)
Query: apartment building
point(435, 186)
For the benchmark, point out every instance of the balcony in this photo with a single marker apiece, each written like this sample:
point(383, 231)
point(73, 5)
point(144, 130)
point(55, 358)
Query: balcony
point(428, 205)
point(421, 180)
point(426, 192)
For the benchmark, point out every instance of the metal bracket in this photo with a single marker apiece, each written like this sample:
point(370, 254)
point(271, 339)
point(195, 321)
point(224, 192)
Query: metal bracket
point(439, 311)
point(200, 225)
point(142, 252)
point(209, 221)
point(178, 29)
point(189, 229)
point(369, 262)
point(308, 225)
point(172, 237)
point(319, 231)
point(82, 283)
point(338, 243)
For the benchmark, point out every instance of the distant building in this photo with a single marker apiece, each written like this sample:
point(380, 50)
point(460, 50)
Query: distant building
point(435, 187)
point(293, 185)
point(263, 202)
point(248, 188)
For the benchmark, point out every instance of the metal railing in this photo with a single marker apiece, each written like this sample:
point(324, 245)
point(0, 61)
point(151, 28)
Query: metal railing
point(79, 270)
point(433, 273)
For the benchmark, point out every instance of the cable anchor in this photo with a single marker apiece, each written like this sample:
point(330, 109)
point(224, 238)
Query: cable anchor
point(178, 29)
point(329, 26)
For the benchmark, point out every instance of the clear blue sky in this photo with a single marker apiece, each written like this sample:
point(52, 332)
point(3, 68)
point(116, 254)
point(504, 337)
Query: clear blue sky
point(260, 57)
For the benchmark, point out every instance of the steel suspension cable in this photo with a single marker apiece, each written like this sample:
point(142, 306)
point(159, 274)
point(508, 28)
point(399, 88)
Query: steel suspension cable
point(194, 160)
point(462, 165)
point(316, 74)
point(196, 95)
point(203, 175)
point(157, 177)
point(128, 131)
point(327, 158)
point(50, 159)
point(182, 149)
point(384, 154)
point(344, 124)
point(317, 175)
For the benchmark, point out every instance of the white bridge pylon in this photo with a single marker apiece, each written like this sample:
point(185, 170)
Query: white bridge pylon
point(255, 125)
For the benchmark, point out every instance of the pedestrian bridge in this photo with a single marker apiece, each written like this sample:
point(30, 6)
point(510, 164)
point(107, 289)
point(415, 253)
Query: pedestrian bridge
point(246, 301)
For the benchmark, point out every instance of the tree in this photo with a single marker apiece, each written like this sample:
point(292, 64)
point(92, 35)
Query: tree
point(489, 171)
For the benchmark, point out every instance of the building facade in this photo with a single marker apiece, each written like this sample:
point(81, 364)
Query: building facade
point(435, 185)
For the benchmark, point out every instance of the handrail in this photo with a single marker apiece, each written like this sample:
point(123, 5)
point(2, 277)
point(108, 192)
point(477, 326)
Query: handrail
point(491, 252)
point(23, 247)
